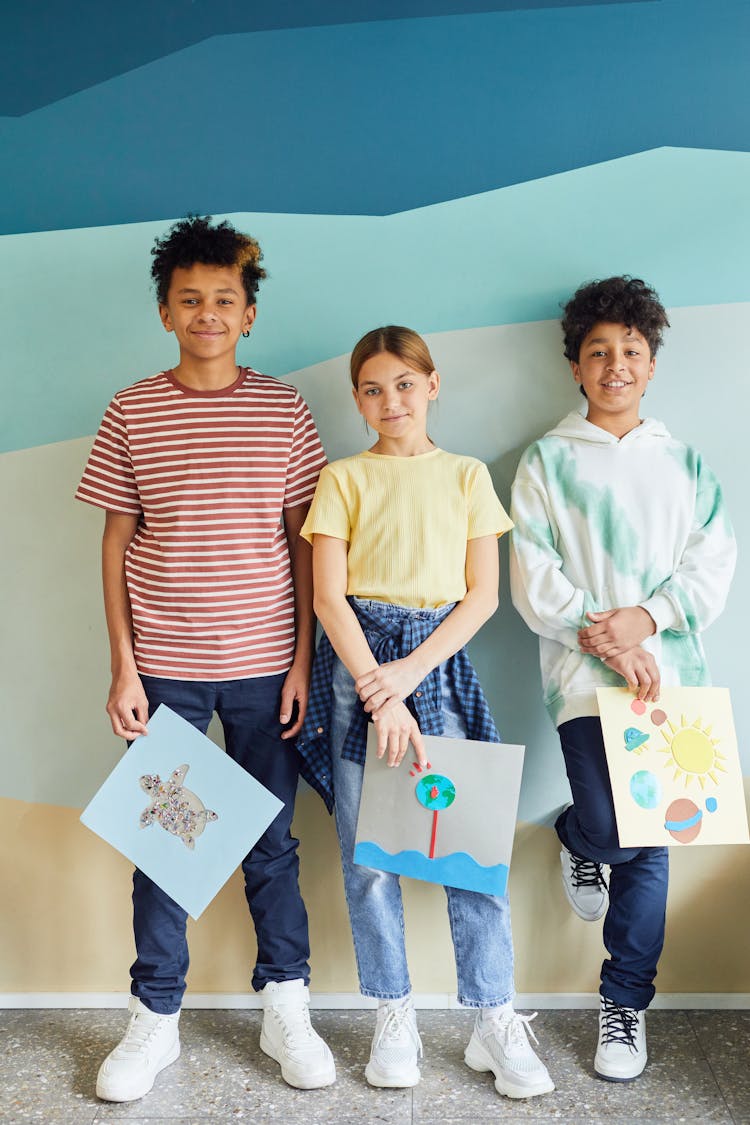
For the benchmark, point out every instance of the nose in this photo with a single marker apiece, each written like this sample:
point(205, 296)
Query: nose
point(616, 361)
point(206, 313)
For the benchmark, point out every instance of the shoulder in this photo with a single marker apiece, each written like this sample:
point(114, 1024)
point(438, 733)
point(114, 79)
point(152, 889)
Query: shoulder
point(144, 390)
point(270, 387)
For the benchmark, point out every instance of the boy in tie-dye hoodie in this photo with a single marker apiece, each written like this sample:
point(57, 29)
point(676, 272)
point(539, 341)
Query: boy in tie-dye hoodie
point(622, 554)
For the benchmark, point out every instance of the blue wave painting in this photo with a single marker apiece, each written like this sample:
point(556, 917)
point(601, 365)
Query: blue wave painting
point(457, 870)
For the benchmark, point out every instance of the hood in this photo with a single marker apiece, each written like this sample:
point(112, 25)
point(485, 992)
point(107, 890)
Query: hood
point(574, 426)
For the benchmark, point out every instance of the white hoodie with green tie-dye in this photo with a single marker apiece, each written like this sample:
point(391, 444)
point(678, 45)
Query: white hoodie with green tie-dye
point(602, 523)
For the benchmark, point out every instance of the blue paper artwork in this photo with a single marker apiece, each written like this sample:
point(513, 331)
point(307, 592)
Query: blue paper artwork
point(453, 825)
point(181, 810)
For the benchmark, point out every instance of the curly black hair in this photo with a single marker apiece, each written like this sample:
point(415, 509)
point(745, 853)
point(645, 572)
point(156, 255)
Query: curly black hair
point(195, 240)
point(616, 300)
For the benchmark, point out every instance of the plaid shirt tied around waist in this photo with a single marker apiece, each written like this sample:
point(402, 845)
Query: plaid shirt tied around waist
point(392, 632)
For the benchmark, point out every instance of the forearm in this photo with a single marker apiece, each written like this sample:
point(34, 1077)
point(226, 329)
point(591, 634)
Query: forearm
point(117, 607)
point(344, 632)
point(304, 615)
point(454, 631)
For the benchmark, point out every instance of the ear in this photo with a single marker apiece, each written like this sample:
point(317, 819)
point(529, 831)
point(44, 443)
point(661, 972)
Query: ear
point(249, 318)
point(652, 367)
point(165, 318)
point(355, 396)
point(574, 367)
point(433, 385)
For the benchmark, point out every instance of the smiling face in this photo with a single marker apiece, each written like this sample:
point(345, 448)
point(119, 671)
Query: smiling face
point(393, 398)
point(614, 368)
point(207, 310)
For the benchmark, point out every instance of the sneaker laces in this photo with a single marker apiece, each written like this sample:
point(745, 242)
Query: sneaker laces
point(619, 1024)
point(586, 872)
point(294, 1020)
point(141, 1030)
point(393, 1024)
point(515, 1028)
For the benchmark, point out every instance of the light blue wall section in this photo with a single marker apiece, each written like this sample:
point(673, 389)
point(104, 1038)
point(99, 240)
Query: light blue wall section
point(78, 319)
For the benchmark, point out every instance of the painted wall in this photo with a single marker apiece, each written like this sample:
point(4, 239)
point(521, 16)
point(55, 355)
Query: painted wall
point(459, 173)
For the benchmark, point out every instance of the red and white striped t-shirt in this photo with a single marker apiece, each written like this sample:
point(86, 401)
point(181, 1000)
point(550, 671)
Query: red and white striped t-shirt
point(209, 474)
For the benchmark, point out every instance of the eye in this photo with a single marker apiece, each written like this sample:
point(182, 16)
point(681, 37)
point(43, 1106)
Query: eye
point(190, 301)
point(371, 391)
point(226, 301)
point(405, 385)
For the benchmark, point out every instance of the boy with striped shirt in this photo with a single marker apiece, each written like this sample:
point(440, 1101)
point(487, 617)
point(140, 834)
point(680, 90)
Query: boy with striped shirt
point(206, 473)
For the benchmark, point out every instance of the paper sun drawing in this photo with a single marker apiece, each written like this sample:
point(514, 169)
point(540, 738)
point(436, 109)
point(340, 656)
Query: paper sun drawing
point(674, 767)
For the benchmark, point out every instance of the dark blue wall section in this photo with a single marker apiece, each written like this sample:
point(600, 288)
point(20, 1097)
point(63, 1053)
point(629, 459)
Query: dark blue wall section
point(50, 50)
point(373, 118)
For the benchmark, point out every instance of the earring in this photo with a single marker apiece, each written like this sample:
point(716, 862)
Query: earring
point(246, 334)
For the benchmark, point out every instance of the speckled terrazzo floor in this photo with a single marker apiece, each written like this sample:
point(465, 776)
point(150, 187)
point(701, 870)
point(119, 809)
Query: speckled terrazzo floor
point(699, 1071)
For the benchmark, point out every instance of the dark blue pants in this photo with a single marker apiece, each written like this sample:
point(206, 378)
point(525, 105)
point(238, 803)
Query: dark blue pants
point(634, 924)
point(249, 713)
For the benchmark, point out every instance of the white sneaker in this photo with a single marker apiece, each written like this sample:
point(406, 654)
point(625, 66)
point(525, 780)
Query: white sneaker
point(396, 1046)
point(621, 1052)
point(289, 1038)
point(499, 1042)
point(150, 1043)
point(585, 885)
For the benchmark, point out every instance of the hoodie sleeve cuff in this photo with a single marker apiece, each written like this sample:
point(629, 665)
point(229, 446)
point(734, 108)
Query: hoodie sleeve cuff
point(663, 611)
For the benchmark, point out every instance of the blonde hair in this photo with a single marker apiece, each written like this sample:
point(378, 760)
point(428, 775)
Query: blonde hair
point(402, 342)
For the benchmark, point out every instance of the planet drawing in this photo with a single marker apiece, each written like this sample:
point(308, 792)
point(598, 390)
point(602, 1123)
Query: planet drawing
point(645, 789)
point(683, 820)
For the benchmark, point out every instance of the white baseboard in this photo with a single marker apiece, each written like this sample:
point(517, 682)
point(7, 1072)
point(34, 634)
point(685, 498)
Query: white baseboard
point(353, 1001)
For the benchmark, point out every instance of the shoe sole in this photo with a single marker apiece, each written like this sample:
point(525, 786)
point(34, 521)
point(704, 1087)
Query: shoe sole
point(382, 1081)
point(299, 1082)
point(618, 1077)
point(480, 1060)
point(173, 1055)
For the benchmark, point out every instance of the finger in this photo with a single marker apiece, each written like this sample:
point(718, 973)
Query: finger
point(393, 747)
point(386, 706)
point(288, 696)
point(403, 746)
point(382, 741)
point(363, 680)
point(301, 712)
point(644, 686)
point(418, 743)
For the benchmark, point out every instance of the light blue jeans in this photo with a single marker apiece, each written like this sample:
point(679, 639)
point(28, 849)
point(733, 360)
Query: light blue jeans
point(480, 923)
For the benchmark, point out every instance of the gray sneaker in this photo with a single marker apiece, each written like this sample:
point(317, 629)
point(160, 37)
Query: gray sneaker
point(585, 885)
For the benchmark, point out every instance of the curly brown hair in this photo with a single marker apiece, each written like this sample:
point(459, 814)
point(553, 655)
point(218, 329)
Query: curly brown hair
point(195, 240)
point(616, 300)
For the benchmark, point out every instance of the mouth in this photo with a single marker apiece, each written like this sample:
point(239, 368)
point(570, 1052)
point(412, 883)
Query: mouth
point(616, 385)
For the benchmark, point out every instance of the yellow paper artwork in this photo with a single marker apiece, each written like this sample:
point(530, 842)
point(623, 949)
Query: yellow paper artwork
point(674, 767)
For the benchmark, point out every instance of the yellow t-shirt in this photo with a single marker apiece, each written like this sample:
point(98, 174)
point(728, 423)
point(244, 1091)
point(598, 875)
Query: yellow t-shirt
point(407, 521)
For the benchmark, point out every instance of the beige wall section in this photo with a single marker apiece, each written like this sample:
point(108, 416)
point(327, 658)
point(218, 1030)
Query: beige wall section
point(65, 924)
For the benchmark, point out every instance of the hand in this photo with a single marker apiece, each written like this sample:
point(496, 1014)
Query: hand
point(640, 670)
point(387, 685)
point(127, 706)
point(295, 690)
point(396, 728)
point(616, 630)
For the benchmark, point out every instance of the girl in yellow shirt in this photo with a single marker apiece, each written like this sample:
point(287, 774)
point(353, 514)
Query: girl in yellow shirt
point(405, 571)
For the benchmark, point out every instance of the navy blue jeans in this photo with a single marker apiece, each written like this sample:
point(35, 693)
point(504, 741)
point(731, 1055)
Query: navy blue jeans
point(249, 713)
point(634, 924)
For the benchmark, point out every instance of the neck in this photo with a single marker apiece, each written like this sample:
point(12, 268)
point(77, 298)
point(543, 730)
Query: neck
point(211, 375)
point(398, 447)
point(617, 425)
